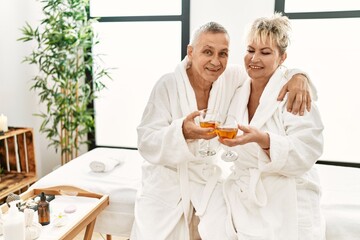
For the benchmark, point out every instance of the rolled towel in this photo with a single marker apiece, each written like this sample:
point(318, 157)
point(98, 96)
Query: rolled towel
point(104, 165)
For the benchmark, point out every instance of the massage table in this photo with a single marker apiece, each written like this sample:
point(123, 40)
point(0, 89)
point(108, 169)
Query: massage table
point(340, 199)
point(120, 184)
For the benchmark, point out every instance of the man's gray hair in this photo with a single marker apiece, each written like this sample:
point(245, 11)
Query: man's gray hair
point(210, 27)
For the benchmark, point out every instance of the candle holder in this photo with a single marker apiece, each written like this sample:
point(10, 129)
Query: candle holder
point(3, 123)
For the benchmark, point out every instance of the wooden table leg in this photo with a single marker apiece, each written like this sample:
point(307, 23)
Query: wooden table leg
point(89, 230)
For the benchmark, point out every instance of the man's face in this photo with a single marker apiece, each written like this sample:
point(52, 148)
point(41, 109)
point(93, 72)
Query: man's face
point(209, 56)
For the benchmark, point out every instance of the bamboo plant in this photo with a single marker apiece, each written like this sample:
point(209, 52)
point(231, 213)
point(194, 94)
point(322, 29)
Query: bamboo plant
point(69, 75)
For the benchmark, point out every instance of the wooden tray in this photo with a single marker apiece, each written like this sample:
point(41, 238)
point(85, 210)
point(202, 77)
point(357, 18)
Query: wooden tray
point(88, 221)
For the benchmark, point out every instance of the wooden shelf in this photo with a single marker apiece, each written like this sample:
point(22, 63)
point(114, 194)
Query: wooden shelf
point(17, 158)
point(15, 131)
point(12, 182)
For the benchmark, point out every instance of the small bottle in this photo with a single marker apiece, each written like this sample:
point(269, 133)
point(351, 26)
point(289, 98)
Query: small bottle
point(14, 224)
point(43, 210)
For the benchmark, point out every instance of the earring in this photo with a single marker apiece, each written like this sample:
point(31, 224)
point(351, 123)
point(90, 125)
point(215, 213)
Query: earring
point(188, 65)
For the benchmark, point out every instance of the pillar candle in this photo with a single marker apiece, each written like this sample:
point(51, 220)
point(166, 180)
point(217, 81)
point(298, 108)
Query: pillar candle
point(3, 123)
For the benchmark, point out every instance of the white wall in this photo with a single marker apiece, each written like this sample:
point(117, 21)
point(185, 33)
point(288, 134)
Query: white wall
point(19, 104)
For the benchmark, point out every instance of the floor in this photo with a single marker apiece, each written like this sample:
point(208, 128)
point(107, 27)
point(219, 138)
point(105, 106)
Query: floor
point(98, 236)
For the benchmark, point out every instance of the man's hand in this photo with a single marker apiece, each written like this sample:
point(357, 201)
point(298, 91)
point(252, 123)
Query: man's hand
point(299, 94)
point(193, 131)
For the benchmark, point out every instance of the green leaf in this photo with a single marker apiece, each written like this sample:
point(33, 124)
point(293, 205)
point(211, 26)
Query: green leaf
point(64, 39)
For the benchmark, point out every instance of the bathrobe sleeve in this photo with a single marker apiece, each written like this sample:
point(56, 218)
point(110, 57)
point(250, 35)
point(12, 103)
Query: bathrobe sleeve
point(313, 91)
point(297, 149)
point(160, 137)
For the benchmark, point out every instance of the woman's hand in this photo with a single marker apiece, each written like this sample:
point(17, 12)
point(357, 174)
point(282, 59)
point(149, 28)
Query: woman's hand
point(193, 131)
point(299, 94)
point(250, 134)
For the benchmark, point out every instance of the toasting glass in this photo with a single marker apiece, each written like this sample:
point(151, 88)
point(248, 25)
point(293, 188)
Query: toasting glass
point(228, 129)
point(208, 119)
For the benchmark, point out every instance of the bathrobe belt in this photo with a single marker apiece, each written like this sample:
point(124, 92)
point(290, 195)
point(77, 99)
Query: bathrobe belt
point(250, 185)
point(215, 173)
point(185, 196)
point(210, 172)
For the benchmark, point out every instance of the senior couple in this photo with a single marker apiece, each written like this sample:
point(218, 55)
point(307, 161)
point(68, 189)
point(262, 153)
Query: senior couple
point(273, 190)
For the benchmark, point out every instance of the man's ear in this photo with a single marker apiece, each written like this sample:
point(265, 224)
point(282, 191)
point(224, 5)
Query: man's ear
point(189, 51)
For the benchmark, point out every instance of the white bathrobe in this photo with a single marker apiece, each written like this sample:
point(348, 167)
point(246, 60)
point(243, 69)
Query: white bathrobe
point(277, 199)
point(175, 178)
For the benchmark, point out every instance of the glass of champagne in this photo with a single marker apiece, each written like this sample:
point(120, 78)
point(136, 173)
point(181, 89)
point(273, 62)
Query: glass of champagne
point(228, 129)
point(208, 119)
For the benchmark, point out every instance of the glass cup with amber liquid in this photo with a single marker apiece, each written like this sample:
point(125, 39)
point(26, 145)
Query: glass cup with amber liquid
point(228, 129)
point(208, 119)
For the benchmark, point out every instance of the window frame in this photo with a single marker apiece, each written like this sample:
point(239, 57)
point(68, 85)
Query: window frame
point(184, 18)
point(280, 7)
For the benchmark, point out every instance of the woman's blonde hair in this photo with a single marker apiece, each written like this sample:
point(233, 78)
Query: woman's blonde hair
point(277, 28)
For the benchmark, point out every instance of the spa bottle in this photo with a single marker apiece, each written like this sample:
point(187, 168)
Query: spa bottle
point(43, 210)
point(14, 225)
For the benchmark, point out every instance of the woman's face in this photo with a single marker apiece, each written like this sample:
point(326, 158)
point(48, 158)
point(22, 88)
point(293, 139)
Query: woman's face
point(262, 59)
point(209, 56)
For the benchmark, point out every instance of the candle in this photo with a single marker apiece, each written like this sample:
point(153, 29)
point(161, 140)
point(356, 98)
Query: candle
point(3, 123)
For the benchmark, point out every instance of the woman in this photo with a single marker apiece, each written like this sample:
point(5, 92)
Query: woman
point(273, 191)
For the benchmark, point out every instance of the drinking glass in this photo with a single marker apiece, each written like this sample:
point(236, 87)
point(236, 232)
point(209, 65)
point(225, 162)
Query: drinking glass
point(208, 119)
point(228, 129)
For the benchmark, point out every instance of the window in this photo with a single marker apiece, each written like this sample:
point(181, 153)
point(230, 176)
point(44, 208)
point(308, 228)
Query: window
point(110, 8)
point(325, 44)
point(141, 43)
point(292, 6)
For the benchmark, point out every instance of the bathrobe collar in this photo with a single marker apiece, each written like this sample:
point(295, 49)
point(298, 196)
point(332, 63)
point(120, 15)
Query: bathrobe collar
point(187, 97)
point(268, 100)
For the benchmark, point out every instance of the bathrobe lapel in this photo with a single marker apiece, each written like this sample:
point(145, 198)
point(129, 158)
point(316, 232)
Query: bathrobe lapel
point(238, 106)
point(268, 101)
point(188, 104)
point(187, 95)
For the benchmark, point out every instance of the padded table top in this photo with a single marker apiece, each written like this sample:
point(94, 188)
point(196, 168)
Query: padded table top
point(340, 201)
point(120, 184)
point(340, 185)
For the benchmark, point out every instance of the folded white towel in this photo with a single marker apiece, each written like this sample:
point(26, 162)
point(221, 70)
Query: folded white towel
point(104, 165)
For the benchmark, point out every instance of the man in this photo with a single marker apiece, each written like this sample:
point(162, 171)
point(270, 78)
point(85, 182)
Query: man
point(176, 180)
